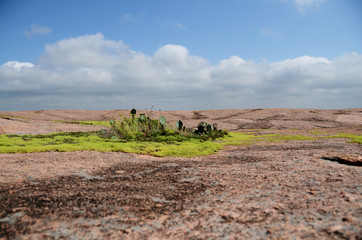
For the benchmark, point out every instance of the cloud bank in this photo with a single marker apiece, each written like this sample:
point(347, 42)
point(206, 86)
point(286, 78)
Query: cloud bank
point(91, 72)
point(36, 29)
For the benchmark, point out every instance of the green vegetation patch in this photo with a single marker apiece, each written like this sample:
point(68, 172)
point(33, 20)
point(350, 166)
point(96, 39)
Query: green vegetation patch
point(236, 139)
point(190, 148)
point(144, 128)
point(160, 146)
point(80, 141)
point(282, 137)
point(144, 135)
point(354, 138)
point(318, 133)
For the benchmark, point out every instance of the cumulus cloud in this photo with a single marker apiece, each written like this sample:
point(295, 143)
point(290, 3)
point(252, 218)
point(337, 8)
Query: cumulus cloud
point(87, 50)
point(36, 29)
point(17, 65)
point(91, 72)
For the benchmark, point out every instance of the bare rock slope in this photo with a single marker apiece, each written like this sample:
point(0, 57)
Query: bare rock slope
point(288, 190)
point(38, 122)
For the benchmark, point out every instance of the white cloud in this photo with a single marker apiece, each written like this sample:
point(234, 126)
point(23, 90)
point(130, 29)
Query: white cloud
point(87, 50)
point(128, 17)
point(180, 26)
point(177, 56)
point(303, 5)
point(269, 32)
point(18, 66)
point(36, 29)
point(91, 72)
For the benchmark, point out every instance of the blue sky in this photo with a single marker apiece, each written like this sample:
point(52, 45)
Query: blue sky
point(190, 54)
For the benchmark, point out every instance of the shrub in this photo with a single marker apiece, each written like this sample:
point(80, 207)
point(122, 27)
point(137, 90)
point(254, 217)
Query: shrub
point(143, 128)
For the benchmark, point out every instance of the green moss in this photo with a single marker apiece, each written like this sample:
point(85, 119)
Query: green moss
point(281, 137)
point(354, 138)
point(161, 146)
point(318, 133)
point(64, 142)
point(237, 139)
point(189, 148)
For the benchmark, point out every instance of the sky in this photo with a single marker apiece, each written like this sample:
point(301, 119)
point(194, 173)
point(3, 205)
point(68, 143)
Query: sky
point(180, 54)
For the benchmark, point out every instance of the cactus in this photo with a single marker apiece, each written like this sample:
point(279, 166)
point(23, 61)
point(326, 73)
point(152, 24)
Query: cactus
point(205, 128)
point(145, 128)
point(133, 113)
point(162, 120)
point(208, 128)
point(202, 124)
point(179, 125)
point(142, 117)
point(200, 129)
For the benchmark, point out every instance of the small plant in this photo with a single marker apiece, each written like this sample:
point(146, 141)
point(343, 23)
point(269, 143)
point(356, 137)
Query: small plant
point(179, 125)
point(143, 128)
point(142, 117)
point(136, 128)
point(162, 121)
point(207, 131)
point(204, 131)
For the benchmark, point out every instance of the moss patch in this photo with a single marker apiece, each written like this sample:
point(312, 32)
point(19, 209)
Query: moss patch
point(67, 142)
point(354, 138)
point(161, 147)
point(318, 133)
point(237, 139)
point(281, 137)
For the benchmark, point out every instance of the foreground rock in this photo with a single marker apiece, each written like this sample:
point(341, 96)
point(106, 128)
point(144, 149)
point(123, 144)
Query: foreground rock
point(265, 191)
